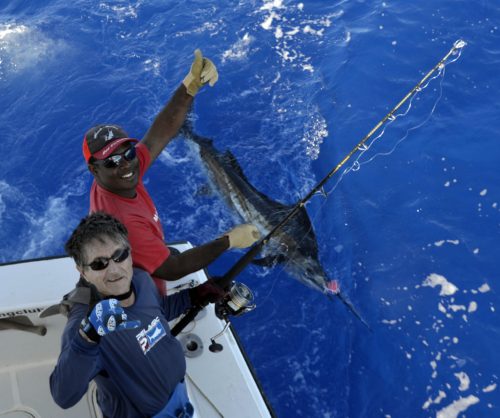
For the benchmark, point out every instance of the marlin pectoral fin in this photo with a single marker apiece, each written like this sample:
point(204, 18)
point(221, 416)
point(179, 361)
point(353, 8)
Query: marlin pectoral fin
point(269, 261)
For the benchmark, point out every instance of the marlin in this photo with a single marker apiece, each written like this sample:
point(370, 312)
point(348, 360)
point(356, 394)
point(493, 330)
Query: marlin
point(294, 245)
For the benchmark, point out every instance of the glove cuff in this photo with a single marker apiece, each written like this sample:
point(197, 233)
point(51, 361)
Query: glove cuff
point(89, 330)
point(191, 84)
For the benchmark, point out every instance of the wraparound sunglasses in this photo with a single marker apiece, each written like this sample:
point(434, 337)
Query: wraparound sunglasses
point(114, 161)
point(101, 263)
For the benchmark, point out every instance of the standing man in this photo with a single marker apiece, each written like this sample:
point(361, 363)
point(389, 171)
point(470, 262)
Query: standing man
point(122, 339)
point(118, 164)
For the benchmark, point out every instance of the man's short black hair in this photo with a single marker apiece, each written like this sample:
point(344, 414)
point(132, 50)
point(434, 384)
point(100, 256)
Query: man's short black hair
point(96, 226)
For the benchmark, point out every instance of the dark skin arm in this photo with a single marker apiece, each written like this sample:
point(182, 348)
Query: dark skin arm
point(168, 122)
point(180, 265)
point(165, 126)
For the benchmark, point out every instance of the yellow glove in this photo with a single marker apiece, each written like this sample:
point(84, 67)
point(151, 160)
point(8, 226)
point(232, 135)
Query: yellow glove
point(202, 71)
point(242, 236)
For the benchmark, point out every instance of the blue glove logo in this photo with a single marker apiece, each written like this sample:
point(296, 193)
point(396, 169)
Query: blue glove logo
point(98, 311)
point(108, 316)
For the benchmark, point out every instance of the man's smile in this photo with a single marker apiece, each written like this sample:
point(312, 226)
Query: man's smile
point(115, 280)
point(128, 175)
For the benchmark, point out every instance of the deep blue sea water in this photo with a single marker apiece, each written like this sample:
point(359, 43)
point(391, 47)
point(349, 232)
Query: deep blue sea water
point(412, 235)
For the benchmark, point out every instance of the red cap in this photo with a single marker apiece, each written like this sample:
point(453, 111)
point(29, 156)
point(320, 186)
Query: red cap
point(101, 140)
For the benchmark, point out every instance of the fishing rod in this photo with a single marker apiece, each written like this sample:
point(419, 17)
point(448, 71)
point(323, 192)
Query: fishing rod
point(226, 280)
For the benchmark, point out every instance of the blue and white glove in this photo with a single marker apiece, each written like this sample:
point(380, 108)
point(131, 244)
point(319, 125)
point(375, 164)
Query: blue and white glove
point(107, 316)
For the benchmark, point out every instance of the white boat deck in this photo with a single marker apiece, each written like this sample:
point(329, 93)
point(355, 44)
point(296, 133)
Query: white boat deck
point(219, 384)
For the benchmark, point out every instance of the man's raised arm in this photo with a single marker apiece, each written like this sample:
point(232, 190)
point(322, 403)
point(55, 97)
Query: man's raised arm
point(170, 119)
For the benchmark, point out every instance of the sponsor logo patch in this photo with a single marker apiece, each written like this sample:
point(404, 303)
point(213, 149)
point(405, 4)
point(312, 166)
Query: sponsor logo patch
point(150, 336)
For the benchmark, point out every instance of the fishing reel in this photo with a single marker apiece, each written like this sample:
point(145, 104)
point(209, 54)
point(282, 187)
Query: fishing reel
point(238, 301)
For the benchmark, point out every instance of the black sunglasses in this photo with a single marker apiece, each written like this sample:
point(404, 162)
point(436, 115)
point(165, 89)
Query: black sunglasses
point(114, 160)
point(101, 263)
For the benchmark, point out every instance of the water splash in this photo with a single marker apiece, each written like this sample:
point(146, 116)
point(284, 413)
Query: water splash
point(282, 20)
point(23, 47)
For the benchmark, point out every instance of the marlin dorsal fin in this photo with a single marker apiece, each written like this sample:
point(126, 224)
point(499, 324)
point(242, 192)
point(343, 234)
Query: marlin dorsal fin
point(229, 157)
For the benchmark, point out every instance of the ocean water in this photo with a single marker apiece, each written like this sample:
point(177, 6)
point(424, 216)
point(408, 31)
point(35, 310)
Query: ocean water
point(411, 231)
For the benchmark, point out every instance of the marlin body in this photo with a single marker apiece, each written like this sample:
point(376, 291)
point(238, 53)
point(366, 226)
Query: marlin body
point(294, 245)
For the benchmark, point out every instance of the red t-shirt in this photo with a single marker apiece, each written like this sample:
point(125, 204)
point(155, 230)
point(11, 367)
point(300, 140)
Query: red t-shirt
point(140, 216)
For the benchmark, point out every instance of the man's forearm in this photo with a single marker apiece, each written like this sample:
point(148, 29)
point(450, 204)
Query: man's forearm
point(180, 265)
point(76, 366)
point(168, 122)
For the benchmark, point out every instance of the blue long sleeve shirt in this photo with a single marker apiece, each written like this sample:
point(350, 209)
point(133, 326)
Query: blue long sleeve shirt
point(135, 370)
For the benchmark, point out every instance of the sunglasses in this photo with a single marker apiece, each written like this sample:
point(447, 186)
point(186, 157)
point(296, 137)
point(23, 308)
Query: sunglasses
point(115, 160)
point(101, 263)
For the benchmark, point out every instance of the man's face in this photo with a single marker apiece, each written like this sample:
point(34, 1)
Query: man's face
point(122, 179)
point(116, 277)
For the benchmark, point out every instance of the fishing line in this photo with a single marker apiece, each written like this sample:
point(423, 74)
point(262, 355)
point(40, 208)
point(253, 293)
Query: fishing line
point(365, 147)
point(356, 166)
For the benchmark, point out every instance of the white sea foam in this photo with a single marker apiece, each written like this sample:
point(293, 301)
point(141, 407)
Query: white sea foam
point(285, 24)
point(483, 192)
point(11, 30)
point(458, 406)
point(51, 227)
point(23, 47)
point(490, 388)
point(272, 4)
point(484, 288)
point(48, 228)
point(153, 65)
point(440, 243)
point(316, 130)
point(447, 288)
point(318, 32)
point(464, 381)
point(170, 158)
point(121, 13)
point(436, 400)
point(268, 23)
point(5, 192)
point(239, 50)
point(293, 31)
